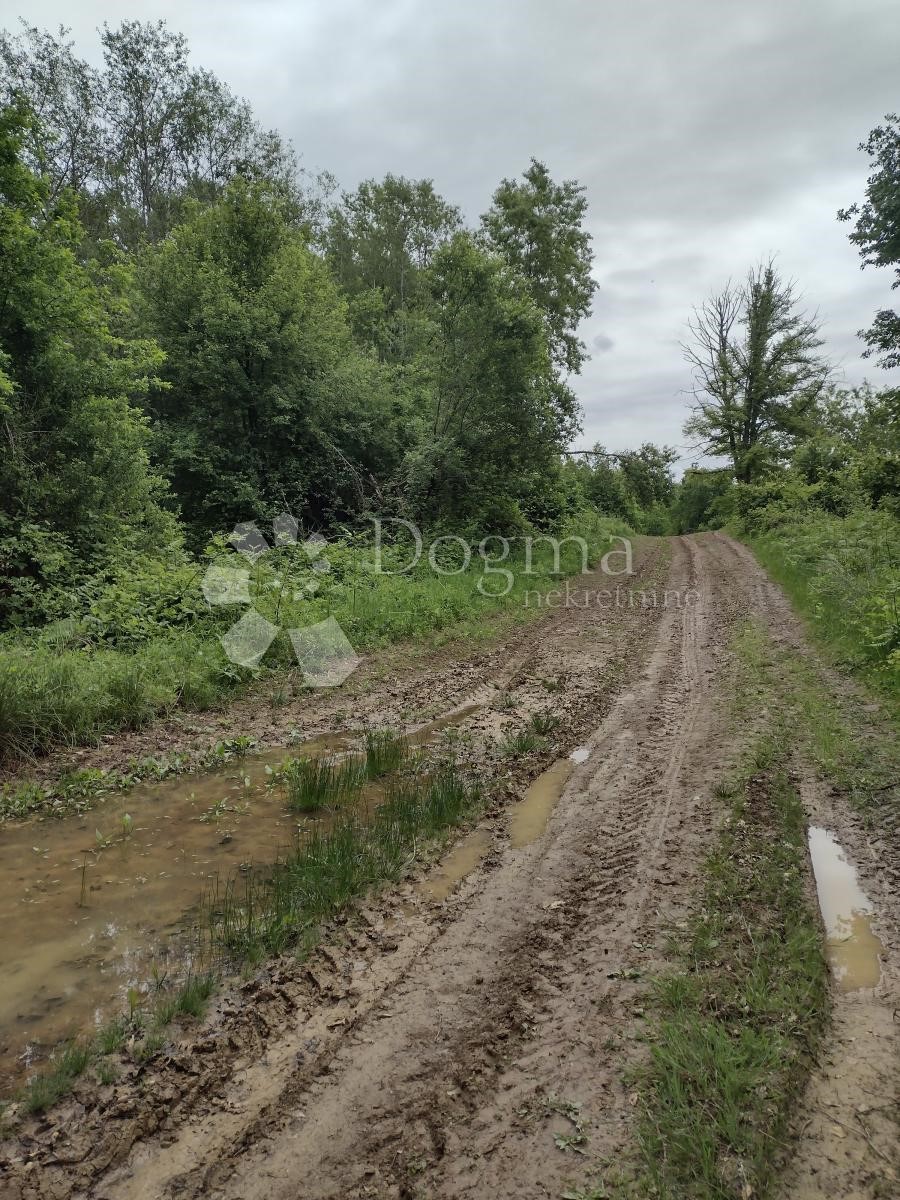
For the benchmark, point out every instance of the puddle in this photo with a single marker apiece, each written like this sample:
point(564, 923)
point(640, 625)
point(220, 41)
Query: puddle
point(427, 734)
point(580, 754)
point(460, 862)
point(852, 949)
point(92, 904)
point(530, 816)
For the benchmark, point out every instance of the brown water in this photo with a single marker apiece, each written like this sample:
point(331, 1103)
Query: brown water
point(851, 947)
point(530, 816)
point(94, 905)
point(460, 862)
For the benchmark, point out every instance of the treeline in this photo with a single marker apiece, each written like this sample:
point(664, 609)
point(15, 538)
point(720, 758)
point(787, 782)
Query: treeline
point(193, 332)
point(813, 469)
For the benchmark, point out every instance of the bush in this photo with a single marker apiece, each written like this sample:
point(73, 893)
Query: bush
point(844, 573)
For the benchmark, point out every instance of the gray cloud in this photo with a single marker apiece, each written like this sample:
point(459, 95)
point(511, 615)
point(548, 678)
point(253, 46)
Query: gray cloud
point(708, 133)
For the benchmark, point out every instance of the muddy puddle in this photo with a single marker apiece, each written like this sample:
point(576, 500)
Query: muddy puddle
point(94, 905)
point(462, 860)
point(530, 816)
point(852, 949)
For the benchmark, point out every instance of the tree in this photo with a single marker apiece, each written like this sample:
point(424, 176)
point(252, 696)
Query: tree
point(648, 474)
point(266, 405)
point(877, 231)
point(63, 142)
point(497, 418)
point(379, 241)
point(74, 471)
point(757, 371)
point(538, 227)
point(137, 139)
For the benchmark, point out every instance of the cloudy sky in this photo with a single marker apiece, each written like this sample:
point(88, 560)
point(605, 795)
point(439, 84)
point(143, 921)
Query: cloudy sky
point(708, 133)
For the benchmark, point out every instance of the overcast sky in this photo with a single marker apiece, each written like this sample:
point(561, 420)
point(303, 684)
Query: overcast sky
point(708, 133)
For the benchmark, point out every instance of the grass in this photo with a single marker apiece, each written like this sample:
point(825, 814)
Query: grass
point(266, 912)
point(48, 1087)
point(843, 575)
point(520, 743)
point(312, 784)
point(70, 1060)
point(74, 691)
point(543, 723)
point(385, 752)
point(75, 791)
point(738, 1020)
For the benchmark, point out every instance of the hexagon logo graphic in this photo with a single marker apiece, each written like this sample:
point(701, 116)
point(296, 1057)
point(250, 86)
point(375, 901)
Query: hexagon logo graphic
point(323, 650)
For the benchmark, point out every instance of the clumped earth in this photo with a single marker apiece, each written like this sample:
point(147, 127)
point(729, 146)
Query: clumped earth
point(475, 1031)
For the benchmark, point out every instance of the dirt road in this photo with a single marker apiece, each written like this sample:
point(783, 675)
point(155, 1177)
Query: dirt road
point(477, 1045)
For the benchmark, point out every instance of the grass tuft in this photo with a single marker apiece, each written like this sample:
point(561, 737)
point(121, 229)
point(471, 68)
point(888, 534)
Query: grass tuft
point(312, 784)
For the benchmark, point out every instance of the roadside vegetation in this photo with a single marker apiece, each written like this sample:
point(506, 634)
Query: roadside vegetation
point(283, 906)
point(738, 1019)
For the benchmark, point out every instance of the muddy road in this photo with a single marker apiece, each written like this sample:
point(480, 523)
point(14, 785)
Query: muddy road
point(470, 1033)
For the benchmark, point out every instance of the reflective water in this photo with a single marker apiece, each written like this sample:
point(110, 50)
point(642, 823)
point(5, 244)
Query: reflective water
point(851, 947)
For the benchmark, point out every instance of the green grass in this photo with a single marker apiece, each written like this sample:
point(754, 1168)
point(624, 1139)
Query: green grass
point(312, 784)
point(130, 667)
point(738, 1020)
point(48, 1087)
point(521, 743)
point(385, 752)
point(70, 1060)
point(266, 912)
point(543, 723)
point(843, 575)
point(76, 791)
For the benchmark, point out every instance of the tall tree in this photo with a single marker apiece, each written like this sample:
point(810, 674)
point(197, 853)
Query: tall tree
point(877, 231)
point(267, 405)
point(757, 371)
point(64, 141)
point(138, 138)
point(379, 240)
point(537, 226)
point(498, 417)
point(74, 474)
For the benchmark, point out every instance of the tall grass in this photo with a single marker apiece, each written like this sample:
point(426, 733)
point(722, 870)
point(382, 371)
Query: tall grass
point(315, 783)
point(385, 752)
point(124, 664)
point(843, 574)
point(264, 912)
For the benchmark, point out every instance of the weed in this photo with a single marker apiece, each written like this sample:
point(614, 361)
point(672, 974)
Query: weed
point(543, 723)
point(107, 1072)
point(385, 752)
point(45, 1089)
point(111, 1037)
point(331, 867)
point(315, 783)
point(520, 743)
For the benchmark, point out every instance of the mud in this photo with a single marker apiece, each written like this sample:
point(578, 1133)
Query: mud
point(851, 947)
point(435, 1041)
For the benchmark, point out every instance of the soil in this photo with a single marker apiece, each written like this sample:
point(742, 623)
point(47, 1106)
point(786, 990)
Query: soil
point(472, 1032)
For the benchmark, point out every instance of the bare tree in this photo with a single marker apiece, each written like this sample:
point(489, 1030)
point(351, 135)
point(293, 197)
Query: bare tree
point(757, 370)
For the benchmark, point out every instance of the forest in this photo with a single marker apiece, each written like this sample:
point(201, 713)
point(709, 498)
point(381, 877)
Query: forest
point(195, 332)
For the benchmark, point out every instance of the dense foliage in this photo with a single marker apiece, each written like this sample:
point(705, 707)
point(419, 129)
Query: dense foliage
point(194, 334)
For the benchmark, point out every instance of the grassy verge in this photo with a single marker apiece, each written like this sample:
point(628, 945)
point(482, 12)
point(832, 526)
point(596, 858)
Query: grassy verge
point(843, 575)
point(738, 1019)
point(139, 651)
